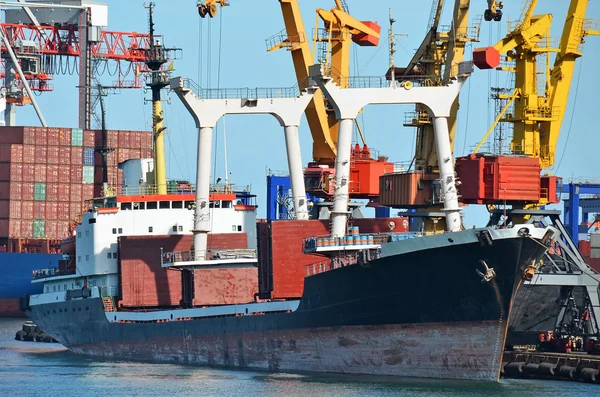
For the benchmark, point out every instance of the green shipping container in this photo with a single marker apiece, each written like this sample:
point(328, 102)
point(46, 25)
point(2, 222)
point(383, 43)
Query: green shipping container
point(88, 174)
point(39, 229)
point(77, 137)
point(39, 191)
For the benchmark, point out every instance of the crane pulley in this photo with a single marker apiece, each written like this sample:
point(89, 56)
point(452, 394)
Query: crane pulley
point(209, 7)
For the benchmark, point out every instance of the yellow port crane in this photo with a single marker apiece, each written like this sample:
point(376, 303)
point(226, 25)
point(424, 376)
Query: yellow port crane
point(538, 116)
point(209, 7)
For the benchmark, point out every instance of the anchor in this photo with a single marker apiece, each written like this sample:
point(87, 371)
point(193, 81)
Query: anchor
point(489, 274)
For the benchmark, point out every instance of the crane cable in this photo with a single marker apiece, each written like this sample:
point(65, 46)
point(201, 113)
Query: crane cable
point(572, 114)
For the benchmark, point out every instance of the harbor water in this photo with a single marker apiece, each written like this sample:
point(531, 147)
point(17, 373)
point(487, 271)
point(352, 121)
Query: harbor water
point(48, 369)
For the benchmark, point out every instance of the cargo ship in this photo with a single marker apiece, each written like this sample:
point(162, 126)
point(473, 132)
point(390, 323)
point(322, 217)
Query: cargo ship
point(392, 303)
point(46, 177)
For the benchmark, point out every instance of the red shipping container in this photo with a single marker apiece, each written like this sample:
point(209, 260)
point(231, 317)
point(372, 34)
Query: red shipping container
point(368, 40)
point(53, 137)
point(64, 137)
point(16, 172)
point(146, 138)
point(112, 139)
point(28, 173)
point(585, 247)
point(41, 136)
point(41, 154)
point(29, 154)
point(122, 155)
point(64, 156)
point(11, 135)
point(27, 209)
point(16, 191)
point(40, 171)
point(11, 153)
point(16, 209)
point(6, 170)
point(136, 139)
point(75, 210)
point(5, 192)
point(76, 173)
point(29, 135)
point(26, 228)
point(54, 155)
point(27, 190)
point(52, 210)
point(146, 154)
point(124, 140)
point(52, 191)
point(64, 174)
point(52, 173)
point(135, 153)
point(51, 229)
point(5, 209)
point(14, 228)
point(87, 192)
point(64, 192)
point(63, 211)
point(62, 229)
point(39, 210)
point(76, 155)
point(89, 138)
point(76, 193)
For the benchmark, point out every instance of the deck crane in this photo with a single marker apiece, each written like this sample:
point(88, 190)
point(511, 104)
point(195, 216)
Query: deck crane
point(434, 63)
point(536, 116)
point(340, 30)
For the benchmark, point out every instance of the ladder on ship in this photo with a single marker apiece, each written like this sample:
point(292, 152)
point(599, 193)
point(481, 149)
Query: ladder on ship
point(109, 305)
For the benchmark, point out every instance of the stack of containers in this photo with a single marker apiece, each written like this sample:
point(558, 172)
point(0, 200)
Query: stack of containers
point(47, 174)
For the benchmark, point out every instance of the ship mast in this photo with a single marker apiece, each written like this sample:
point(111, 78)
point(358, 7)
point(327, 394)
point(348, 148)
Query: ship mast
point(158, 79)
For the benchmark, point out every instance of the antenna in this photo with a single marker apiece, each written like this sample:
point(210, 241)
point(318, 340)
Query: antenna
point(392, 49)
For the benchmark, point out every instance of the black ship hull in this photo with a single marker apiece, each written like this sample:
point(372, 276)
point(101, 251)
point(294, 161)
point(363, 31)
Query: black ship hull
point(421, 310)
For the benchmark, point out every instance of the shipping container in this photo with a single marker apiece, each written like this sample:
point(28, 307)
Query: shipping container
point(88, 174)
point(225, 286)
point(76, 173)
point(87, 192)
point(16, 209)
point(146, 154)
point(488, 179)
point(64, 156)
point(53, 137)
point(51, 210)
point(52, 173)
point(39, 228)
point(122, 155)
point(6, 171)
point(63, 209)
point(124, 140)
point(40, 172)
point(112, 139)
point(5, 209)
point(75, 210)
point(64, 192)
point(16, 172)
point(11, 153)
point(64, 137)
point(28, 154)
point(88, 155)
point(29, 134)
point(28, 173)
point(5, 191)
point(28, 190)
point(54, 153)
point(11, 135)
point(41, 154)
point(134, 154)
point(27, 209)
point(41, 136)
point(39, 210)
point(51, 229)
point(415, 189)
point(76, 193)
point(16, 191)
point(76, 155)
point(52, 192)
point(146, 137)
point(89, 138)
point(14, 228)
point(64, 174)
point(39, 191)
point(135, 140)
point(76, 137)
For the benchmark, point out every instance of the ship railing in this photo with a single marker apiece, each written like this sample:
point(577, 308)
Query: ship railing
point(207, 255)
point(341, 261)
point(109, 291)
point(182, 188)
point(241, 93)
point(49, 272)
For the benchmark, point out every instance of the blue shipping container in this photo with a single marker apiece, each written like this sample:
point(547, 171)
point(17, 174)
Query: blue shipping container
point(88, 156)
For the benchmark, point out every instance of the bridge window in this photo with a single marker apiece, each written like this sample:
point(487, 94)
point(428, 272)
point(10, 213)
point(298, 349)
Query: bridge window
point(189, 205)
point(120, 230)
point(175, 228)
point(177, 204)
point(114, 230)
point(78, 234)
point(125, 206)
point(142, 205)
point(180, 228)
point(87, 258)
point(114, 255)
point(150, 229)
point(79, 259)
point(164, 205)
point(108, 255)
point(239, 228)
point(152, 205)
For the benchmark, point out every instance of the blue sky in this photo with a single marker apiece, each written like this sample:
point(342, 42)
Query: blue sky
point(256, 143)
